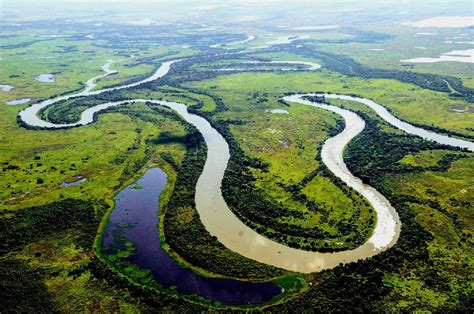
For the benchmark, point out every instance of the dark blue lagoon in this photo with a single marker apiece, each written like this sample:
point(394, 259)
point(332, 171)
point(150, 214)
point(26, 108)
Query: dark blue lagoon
point(135, 219)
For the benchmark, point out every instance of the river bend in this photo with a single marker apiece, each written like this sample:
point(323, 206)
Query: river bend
point(382, 112)
point(216, 216)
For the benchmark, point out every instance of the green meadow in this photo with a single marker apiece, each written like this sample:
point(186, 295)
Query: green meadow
point(407, 101)
point(51, 258)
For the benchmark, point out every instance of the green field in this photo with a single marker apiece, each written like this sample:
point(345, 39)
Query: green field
point(276, 183)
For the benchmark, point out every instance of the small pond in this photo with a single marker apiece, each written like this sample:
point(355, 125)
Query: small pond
point(279, 111)
point(46, 78)
point(75, 181)
point(18, 101)
point(6, 88)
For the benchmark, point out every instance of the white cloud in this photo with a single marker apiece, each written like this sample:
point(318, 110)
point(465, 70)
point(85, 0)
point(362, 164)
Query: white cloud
point(443, 21)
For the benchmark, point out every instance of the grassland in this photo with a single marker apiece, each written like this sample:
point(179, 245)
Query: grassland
point(408, 102)
point(430, 268)
point(436, 186)
point(66, 272)
point(105, 151)
point(403, 45)
point(73, 61)
point(53, 270)
point(290, 144)
point(442, 208)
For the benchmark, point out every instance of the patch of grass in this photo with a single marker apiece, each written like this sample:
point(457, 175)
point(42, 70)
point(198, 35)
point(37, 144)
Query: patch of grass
point(102, 152)
point(423, 159)
point(407, 101)
point(289, 145)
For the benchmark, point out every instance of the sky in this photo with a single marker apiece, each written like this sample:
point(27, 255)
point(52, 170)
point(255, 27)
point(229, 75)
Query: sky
point(172, 10)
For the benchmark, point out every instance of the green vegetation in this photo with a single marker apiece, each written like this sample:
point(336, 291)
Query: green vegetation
point(275, 182)
point(47, 265)
point(185, 233)
point(406, 101)
point(284, 173)
point(429, 267)
point(326, 294)
point(349, 67)
point(406, 43)
point(55, 269)
point(108, 154)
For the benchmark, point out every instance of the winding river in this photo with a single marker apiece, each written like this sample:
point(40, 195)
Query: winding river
point(221, 222)
point(382, 112)
point(29, 115)
point(91, 83)
point(310, 66)
point(224, 45)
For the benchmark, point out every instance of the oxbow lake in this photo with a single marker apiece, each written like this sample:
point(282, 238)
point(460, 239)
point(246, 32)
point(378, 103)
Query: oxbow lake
point(135, 218)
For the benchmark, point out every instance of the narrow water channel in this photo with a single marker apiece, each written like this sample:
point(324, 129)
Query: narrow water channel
point(222, 223)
